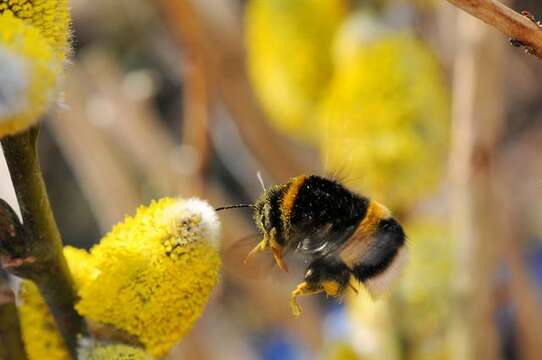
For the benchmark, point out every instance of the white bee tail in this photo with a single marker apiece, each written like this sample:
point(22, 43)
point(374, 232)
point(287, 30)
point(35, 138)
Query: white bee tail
point(381, 283)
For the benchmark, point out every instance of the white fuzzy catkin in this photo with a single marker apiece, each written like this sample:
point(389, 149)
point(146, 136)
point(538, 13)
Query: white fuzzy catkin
point(13, 83)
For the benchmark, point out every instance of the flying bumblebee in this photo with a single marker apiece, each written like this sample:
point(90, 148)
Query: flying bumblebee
point(343, 235)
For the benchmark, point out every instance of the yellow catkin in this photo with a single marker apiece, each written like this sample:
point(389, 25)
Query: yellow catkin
point(385, 117)
point(289, 58)
point(156, 272)
point(29, 74)
point(40, 334)
point(50, 17)
point(113, 352)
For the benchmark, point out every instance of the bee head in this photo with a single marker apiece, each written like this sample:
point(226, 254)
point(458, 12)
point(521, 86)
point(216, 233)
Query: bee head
point(262, 216)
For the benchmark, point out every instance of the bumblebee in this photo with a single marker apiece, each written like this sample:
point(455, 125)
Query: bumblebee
point(344, 236)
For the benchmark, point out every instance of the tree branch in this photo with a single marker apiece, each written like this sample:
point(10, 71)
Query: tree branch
point(43, 261)
point(517, 26)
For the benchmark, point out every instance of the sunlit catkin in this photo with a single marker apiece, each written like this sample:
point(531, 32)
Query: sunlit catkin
point(156, 272)
point(50, 17)
point(29, 73)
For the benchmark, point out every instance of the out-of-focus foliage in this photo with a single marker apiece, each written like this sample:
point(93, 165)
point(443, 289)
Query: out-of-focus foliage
point(339, 351)
point(112, 352)
point(40, 335)
point(418, 308)
point(50, 17)
point(385, 115)
point(289, 57)
point(372, 325)
point(156, 271)
point(29, 73)
point(424, 292)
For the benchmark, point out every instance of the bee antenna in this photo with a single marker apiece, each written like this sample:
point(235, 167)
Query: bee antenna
point(234, 207)
point(259, 175)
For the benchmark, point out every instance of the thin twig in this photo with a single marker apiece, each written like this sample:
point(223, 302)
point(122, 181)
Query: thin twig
point(517, 26)
point(11, 343)
point(478, 88)
point(44, 262)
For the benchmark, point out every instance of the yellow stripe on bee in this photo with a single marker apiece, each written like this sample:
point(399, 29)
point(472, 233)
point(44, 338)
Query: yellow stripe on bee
point(360, 241)
point(375, 213)
point(290, 196)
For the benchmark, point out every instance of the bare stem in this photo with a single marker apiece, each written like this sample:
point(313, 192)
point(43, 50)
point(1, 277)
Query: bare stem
point(11, 343)
point(506, 20)
point(44, 262)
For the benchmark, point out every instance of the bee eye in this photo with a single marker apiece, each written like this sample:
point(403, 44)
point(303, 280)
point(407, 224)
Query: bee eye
point(266, 218)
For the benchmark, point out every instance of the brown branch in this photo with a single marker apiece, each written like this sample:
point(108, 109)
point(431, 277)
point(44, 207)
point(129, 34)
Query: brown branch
point(517, 26)
point(44, 262)
point(11, 343)
point(477, 120)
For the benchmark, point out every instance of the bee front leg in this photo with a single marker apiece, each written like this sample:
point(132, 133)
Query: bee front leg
point(262, 245)
point(277, 250)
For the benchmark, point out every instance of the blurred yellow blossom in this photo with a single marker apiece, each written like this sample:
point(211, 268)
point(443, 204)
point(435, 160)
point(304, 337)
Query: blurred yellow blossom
point(50, 17)
point(40, 334)
point(372, 325)
point(424, 293)
point(289, 58)
point(156, 272)
point(29, 74)
point(385, 116)
point(112, 352)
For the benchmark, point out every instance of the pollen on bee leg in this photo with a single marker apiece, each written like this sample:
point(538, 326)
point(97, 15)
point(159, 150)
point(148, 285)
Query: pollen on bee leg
point(331, 287)
point(301, 289)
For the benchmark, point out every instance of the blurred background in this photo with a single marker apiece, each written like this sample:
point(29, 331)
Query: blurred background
point(409, 102)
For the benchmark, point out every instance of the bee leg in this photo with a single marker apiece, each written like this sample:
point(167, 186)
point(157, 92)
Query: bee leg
point(276, 249)
point(352, 287)
point(277, 254)
point(262, 245)
point(302, 289)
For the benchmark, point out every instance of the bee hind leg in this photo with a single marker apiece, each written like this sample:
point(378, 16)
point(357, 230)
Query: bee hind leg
point(302, 289)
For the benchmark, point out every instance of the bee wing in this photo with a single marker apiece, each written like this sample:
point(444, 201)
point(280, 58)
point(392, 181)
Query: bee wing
point(233, 257)
point(324, 241)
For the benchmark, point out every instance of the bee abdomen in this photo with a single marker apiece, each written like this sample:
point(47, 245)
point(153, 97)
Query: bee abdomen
point(384, 257)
